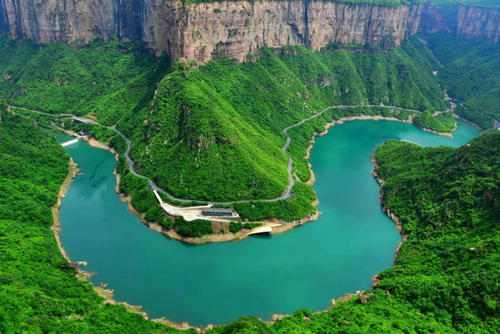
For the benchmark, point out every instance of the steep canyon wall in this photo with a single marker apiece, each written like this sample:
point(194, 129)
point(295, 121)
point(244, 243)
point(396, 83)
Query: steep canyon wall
point(464, 22)
point(202, 31)
point(237, 29)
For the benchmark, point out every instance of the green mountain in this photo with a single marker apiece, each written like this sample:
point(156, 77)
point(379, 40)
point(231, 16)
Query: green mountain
point(105, 79)
point(471, 72)
point(216, 130)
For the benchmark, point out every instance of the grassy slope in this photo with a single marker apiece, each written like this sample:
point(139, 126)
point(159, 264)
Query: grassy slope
point(216, 129)
point(471, 71)
point(39, 292)
point(446, 276)
point(109, 79)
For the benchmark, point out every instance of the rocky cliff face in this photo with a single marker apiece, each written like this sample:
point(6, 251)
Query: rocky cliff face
point(236, 29)
point(59, 20)
point(463, 21)
point(360, 24)
point(473, 22)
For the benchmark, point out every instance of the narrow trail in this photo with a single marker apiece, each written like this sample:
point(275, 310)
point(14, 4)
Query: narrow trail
point(287, 193)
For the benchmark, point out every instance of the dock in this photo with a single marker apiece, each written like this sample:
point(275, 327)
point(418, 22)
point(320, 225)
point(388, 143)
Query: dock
point(261, 230)
point(70, 142)
point(267, 229)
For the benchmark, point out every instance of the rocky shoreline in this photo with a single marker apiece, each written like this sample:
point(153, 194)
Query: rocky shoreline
point(388, 212)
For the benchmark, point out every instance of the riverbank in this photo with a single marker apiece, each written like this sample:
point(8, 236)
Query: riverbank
point(56, 224)
point(331, 124)
point(277, 226)
point(101, 290)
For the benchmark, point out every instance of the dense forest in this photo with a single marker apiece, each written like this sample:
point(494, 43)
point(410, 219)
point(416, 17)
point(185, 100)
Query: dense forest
point(471, 72)
point(105, 79)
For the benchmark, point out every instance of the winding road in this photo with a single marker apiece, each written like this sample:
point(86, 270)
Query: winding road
point(287, 193)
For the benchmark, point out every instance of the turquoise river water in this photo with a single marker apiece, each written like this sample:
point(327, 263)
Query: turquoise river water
point(305, 268)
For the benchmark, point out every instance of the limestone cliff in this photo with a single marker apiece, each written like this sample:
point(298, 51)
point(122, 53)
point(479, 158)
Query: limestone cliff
point(236, 29)
point(202, 31)
point(55, 20)
point(465, 22)
point(360, 24)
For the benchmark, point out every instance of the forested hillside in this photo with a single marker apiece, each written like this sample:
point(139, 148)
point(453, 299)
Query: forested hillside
point(216, 129)
point(215, 132)
point(471, 72)
point(39, 291)
point(108, 79)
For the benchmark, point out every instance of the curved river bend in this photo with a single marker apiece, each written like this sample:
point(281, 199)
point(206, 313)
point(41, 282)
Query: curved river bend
point(305, 268)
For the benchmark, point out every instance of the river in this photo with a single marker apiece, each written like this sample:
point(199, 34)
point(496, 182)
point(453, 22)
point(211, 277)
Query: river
point(305, 268)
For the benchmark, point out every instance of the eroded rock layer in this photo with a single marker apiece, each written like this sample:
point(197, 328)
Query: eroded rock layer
point(464, 22)
point(237, 29)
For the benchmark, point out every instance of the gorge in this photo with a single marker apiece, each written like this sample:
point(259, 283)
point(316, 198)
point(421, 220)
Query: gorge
point(281, 111)
point(200, 31)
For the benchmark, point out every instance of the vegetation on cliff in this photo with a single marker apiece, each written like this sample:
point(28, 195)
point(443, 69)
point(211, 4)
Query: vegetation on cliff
point(384, 3)
point(39, 291)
